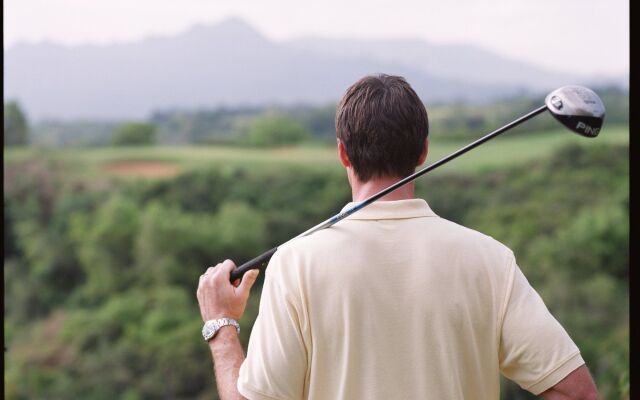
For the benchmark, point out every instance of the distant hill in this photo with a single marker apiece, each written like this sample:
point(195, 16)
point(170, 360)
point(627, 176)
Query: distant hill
point(231, 64)
point(445, 61)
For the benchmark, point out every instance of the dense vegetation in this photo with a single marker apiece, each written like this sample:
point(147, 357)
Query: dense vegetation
point(134, 134)
point(100, 274)
point(16, 126)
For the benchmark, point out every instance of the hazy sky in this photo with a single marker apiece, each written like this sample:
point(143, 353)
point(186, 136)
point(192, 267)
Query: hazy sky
point(581, 36)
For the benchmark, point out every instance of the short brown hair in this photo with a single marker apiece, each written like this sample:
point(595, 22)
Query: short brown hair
point(383, 125)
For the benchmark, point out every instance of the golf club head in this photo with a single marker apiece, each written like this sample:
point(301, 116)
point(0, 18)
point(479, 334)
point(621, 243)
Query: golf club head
point(578, 108)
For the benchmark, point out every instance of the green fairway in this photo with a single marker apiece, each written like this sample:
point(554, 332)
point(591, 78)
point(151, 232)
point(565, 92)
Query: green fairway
point(506, 150)
point(509, 150)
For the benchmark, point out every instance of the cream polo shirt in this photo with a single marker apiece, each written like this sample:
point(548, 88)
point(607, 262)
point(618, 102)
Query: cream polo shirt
point(395, 302)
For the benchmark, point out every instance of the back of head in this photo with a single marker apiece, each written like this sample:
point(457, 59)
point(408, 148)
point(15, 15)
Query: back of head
point(383, 125)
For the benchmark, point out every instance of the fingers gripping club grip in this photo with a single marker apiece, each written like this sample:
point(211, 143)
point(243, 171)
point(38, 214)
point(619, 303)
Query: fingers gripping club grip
point(259, 262)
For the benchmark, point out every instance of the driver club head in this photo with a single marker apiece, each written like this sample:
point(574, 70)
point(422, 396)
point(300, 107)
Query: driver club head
point(578, 108)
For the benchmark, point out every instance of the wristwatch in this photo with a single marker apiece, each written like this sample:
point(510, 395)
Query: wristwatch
point(212, 326)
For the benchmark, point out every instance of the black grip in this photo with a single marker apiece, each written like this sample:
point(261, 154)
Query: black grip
point(259, 262)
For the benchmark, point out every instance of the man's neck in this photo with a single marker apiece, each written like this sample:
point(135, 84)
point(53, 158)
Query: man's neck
point(363, 190)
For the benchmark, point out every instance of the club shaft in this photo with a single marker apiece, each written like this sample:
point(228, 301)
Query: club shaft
point(262, 261)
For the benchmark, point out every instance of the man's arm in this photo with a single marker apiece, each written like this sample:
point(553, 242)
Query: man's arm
point(578, 385)
point(218, 298)
point(536, 352)
point(227, 357)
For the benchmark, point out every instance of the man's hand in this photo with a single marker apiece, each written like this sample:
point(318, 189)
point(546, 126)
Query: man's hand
point(218, 298)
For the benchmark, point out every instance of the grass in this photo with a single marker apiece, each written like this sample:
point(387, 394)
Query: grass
point(503, 151)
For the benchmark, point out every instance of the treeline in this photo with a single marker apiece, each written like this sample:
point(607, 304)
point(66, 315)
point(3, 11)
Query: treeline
point(100, 276)
point(460, 120)
point(272, 126)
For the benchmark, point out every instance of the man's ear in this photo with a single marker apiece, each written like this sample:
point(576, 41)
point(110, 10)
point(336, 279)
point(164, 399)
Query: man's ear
point(342, 154)
point(425, 150)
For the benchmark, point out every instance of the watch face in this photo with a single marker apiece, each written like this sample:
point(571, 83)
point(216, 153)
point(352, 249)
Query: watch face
point(208, 330)
point(212, 326)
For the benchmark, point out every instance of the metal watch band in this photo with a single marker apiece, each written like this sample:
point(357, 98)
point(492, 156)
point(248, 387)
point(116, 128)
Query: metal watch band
point(212, 326)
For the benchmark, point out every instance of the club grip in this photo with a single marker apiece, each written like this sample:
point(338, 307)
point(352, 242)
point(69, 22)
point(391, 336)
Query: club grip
point(259, 262)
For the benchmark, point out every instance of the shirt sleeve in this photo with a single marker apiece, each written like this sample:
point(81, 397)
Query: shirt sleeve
point(276, 362)
point(535, 350)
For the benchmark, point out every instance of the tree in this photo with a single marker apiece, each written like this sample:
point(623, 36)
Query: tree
point(16, 128)
point(275, 129)
point(134, 133)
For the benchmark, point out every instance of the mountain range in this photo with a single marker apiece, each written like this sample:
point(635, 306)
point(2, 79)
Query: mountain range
point(231, 64)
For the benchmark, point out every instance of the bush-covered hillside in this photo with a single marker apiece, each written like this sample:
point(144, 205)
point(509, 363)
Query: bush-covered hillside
point(100, 275)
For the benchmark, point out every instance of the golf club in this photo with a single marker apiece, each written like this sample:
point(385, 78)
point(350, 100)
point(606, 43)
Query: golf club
point(576, 107)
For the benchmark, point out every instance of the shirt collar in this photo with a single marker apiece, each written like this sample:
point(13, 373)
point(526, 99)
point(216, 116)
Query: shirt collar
point(395, 209)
